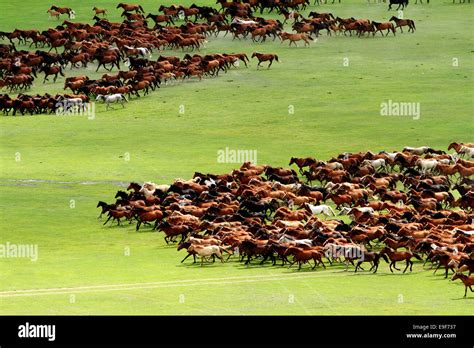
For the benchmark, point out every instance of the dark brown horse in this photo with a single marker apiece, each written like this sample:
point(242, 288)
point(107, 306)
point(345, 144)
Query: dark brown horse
point(373, 258)
point(399, 23)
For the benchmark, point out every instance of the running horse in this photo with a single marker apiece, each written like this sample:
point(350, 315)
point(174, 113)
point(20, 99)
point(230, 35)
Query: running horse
point(293, 38)
point(396, 256)
point(265, 57)
point(62, 10)
point(130, 7)
point(399, 23)
point(467, 280)
point(99, 11)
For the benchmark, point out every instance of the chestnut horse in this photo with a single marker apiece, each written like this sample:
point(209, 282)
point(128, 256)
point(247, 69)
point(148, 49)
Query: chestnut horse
point(293, 38)
point(396, 256)
point(468, 281)
point(129, 8)
point(262, 57)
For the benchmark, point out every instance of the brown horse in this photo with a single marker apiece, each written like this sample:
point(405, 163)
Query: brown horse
point(404, 22)
point(99, 11)
point(293, 38)
point(265, 57)
point(143, 215)
point(468, 281)
point(52, 70)
point(383, 26)
point(129, 7)
point(62, 10)
point(53, 13)
point(304, 255)
point(373, 258)
point(396, 256)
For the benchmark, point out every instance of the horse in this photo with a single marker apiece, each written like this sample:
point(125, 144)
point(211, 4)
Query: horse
point(383, 26)
point(458, 147)
point(52, 70)
point(160, 19)
point(117, 215)
point(319, 209)
point(402, 3)
point(99, 11)
point(293, 38)
point(396, 256)
point(207, 251)
point(467, 280)
point(302, 256)
point(130, 8)
point(264, 57)
point(63, 10)
point(105, 207)
point(401, 23)
point(113, 98)
point(372, 257)
point(136, 51)
point(53, 13)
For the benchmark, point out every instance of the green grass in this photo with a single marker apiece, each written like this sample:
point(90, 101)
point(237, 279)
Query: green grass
point(336, 110)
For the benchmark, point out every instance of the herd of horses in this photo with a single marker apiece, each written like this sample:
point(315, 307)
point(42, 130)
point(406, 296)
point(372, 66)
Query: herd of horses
point(132, 41)
point(392, 206)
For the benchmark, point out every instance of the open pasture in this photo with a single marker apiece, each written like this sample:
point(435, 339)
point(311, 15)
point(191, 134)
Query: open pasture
point(316, 101)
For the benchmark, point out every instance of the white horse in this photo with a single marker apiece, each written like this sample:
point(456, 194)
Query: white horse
point(287, 239)
point(142, 51)
point(350, 211)
point(111, 99)
point(237, 20)
point(321, 209)
point(416, 150)
point(465, 150)
point(426, 165)
point(392, 155)
point(207, 251)
point(377, 164)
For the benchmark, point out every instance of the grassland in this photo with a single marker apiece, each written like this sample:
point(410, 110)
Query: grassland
point(336, 109)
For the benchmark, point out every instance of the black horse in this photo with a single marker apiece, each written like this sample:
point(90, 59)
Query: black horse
point(402, 3)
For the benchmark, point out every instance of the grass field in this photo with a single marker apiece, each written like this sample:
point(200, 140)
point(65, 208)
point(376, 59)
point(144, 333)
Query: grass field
point(47, 161)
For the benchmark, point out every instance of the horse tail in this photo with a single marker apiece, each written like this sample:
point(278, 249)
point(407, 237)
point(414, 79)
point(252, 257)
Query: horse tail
point(61, 72)
point(276, 57)
point(413, 23)
point(418, 257)
point(141, 8)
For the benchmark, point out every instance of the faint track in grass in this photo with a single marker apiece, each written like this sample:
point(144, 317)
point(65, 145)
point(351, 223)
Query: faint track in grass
point(161, 284)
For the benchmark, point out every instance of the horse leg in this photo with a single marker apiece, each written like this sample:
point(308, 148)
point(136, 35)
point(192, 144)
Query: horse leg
point(408, 264)
point(186, 257)
point(391, 270)
point(138, 225)
point(269, 65)
point(110, 216)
